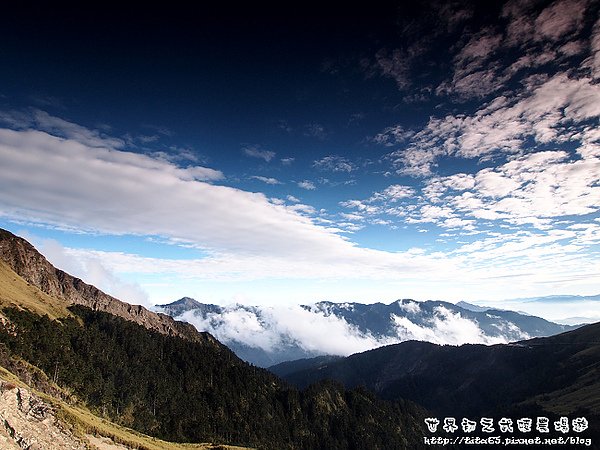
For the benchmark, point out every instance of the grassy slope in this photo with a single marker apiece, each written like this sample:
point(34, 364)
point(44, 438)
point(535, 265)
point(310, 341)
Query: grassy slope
point(16, 292)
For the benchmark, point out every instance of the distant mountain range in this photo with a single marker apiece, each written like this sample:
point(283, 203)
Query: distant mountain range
point(559, 298)
point(269, 335)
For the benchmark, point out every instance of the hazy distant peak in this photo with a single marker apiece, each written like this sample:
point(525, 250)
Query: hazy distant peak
point(187, 302)
point(472, 307)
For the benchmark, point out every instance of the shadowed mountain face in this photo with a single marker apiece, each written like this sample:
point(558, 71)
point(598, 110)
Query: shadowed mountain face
point(267, 335)
point(552, 375)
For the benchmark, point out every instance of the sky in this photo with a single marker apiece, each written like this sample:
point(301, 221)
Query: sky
point(297, 153)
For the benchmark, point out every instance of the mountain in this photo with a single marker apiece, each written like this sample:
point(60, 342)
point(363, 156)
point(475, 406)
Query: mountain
point(557, 375)
point(266, 336)
point(401, 316)
point(472, 307)
point(298, 365)
point(164, 381)
point(558, 299)
point(34, 268)
point(182, 305)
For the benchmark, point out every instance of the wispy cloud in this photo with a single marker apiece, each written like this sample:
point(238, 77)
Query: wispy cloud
point(392, 136)
point(255, 151)
point(555, 110)
point(41, 120)
point(267, 180)
point(39, 171)
point(334, 163)
point(307, 184)
point(91, 269)
point(399, 63)
point(315, 130)
point(594, 60)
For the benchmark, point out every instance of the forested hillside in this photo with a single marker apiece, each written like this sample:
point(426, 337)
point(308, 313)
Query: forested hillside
point(186, 391)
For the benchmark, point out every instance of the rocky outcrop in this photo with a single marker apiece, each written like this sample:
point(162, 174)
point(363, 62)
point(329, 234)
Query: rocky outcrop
point(34, 268)
point(27, 422)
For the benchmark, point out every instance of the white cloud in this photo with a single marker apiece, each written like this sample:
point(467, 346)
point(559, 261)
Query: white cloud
point(541, 185)
point(311, 330)
point(491, 183)
point(267, 180)
point(595, 50)
point(399, 63)
point(445, 327)
point(65, 183)
point(41, 120)
point(561, 18)
point(361, 206)
point(287, 161)
point(394, 135)
point(352, 216)
point(302, 208)
point(554, 111)
point(320, 331)
point(393, 193)
point(455, 222)
point(474, 75)
point(433, 213)
point(479, 48)
point(410, 306)
point(306, 184)
point(534, 39)
point(334, 163)
point(92, 270)
point(256, 152)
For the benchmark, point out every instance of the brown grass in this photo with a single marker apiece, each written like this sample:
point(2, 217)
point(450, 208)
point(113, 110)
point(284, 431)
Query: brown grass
point(16, 292)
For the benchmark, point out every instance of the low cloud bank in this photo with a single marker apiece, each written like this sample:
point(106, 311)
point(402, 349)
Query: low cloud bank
point(319, 331)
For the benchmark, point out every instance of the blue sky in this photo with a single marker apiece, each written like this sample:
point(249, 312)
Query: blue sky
point(445, 150)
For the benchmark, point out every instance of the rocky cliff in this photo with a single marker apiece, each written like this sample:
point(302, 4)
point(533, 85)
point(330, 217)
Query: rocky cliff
point(34, 268)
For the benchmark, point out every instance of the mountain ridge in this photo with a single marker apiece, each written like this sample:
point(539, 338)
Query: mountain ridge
point(24, 259)
point(556, 375)
point(267, 336)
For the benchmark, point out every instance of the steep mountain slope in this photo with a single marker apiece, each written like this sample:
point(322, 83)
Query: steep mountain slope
point(34, 268)
point(45, 420)
point(267, 336)
point(176, 388)
point(558, 374)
